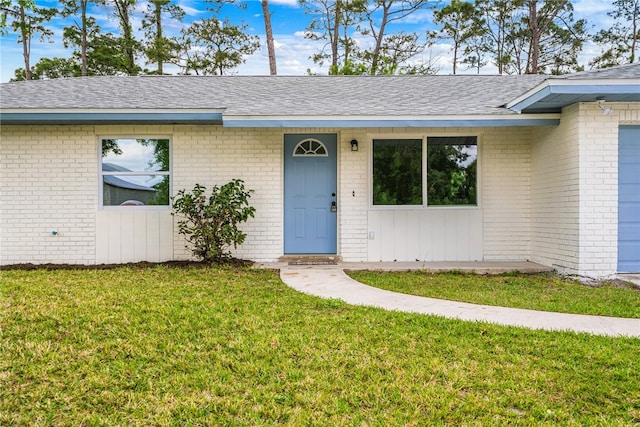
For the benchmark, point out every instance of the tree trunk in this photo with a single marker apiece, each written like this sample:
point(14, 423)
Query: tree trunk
point(634, 37)
point(158, 12)
point(534, 46)
point(26, 43)
point(83, 38)
point(380, 36)
point(269, 33)
point(336, 36)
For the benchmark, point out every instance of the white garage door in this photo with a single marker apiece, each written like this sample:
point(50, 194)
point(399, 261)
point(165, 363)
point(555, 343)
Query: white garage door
point(629, 199)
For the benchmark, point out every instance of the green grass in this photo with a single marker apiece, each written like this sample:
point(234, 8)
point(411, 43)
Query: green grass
point(223, 346)
point(548, 292)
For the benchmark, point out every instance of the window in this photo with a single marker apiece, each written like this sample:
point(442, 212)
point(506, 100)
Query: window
point(451, 171)
point(397, 171)
point(135, 171)
point(310, 147)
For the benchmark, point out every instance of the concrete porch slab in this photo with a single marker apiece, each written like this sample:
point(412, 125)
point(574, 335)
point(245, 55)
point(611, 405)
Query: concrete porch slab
point(478, 267)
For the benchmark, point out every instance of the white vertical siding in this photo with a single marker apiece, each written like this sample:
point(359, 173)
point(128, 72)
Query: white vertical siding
point(447, 234)
point(133, 236)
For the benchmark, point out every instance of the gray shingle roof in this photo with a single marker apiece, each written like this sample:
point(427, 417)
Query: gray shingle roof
point(623, 72)
point(277, 95)
point(290, 96)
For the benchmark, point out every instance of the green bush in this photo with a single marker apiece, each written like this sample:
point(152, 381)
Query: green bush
point(210, 224)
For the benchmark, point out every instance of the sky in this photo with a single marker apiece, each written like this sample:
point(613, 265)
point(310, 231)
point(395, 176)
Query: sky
point(289, 21)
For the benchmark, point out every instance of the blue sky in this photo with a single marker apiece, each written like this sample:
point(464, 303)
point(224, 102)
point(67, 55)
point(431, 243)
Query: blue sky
point(289, 22)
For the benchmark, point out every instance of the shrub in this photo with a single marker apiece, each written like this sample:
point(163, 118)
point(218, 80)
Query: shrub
point(210, 224)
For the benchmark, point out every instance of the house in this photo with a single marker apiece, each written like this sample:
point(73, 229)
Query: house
point(375, 168)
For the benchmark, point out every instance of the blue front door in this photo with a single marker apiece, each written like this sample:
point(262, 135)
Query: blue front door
point(629, 199)
point(310, 210)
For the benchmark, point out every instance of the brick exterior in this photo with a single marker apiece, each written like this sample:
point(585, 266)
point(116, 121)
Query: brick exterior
point(48, 182)
point(546, 194)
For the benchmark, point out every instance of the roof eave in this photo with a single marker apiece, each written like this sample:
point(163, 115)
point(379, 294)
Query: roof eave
point(74, 117)
point(590, 90)
point(390, 121)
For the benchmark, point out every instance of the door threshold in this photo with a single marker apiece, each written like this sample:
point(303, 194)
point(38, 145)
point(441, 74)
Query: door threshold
point(310, 259)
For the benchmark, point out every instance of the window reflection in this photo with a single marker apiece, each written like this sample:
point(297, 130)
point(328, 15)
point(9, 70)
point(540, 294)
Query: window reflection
point(135, 172)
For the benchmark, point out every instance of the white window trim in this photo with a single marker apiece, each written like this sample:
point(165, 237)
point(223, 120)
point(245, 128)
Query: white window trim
point(326, 150)
point(169, 173)
point(425, 201)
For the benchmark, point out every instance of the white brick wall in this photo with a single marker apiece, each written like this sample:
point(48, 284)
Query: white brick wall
point(505, 183)
point(353, 195)
point(213, 155)
point(48, 182)
point(575, 190)
point(555, 194)
point(547, 194)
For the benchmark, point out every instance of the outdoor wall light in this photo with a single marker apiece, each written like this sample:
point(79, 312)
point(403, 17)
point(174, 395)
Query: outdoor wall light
point(605, 110)
point(354, 145)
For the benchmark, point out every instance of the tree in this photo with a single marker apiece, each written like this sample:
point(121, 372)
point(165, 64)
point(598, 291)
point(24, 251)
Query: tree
point(50, 68)
point(103, 54)
point(159, 48)
point(378, 17)
point(71, 8)
point(269, 36)
point(560, 48)
point(6, 10)
point(336, 22)
point(620, 42)
point(540, 19)
point(458, 20)
point(214, 47)
point(503, 22)
point(28, 20)
point(128, 46)
point(475, 54)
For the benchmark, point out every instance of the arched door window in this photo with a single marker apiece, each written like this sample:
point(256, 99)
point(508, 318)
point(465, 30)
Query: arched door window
point(310, 147)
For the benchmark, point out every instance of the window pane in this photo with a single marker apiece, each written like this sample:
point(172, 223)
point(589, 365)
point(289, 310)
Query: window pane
point(127, 190)
point(135, 155)
point(397, 172)
point(451, 170)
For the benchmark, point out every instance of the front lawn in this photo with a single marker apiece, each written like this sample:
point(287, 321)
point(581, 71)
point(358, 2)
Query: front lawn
point(234, 346)
point(547, 292)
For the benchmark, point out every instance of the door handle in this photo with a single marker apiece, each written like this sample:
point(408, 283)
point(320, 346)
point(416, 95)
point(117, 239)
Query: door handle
point(334, 207)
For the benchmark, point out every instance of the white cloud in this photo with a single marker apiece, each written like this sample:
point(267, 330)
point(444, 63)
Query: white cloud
point(291, 3)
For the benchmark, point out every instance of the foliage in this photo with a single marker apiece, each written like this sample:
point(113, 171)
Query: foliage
point(212, 47)
point(335, 22)
point(27, 21)
point(128, 47)
point(397, 172)
point(451, 175)
point(50, 68)
point(160, 162)
point(340, 22)
point(620, 42)
point(82, 28)
point(210, 224)
point(233, 346)
point(157, 47)
point(459, 21)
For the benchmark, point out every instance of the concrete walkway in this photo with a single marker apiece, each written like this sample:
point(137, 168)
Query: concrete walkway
point(332, 282)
